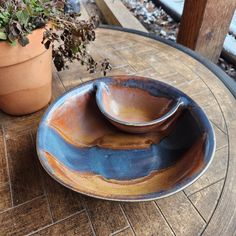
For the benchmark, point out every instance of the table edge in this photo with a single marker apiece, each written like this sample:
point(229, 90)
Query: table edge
point(229, 83)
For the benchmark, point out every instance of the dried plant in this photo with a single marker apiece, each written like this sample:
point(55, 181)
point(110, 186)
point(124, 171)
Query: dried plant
point(66, 33)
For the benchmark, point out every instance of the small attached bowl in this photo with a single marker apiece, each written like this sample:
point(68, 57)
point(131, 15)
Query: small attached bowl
point(136, 110)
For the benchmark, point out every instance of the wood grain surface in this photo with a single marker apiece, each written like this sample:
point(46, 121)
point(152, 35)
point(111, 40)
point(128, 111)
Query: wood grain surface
point(33, 203)
point(204, 25)
point(116, 13)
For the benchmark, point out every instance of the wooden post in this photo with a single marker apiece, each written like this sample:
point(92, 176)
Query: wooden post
point(204, 25)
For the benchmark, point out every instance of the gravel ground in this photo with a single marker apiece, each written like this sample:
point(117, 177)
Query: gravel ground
point(157, 21)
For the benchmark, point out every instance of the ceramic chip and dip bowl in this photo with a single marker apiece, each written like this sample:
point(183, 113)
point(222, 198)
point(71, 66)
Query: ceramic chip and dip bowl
point(125, 138)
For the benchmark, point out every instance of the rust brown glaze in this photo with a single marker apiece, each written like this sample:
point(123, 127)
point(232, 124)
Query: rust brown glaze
point(135, 110)
point(82, 150)
point(25, 76)
point(85, 118)
point(157, 181)
point(134, 105)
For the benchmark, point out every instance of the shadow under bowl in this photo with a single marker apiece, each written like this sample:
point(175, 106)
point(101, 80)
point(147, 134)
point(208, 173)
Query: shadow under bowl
point(82, 150)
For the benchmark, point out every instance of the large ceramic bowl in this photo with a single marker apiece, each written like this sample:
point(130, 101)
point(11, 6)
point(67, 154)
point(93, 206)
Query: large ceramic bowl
point(82, 150)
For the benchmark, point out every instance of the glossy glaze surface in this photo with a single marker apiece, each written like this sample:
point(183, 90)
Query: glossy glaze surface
point(134, 109)
point(82, 150)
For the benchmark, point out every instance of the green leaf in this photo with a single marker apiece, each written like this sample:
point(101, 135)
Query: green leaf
point(23, 17)
point(29, 10)
point(4, 18)
point(3, 36)
point(38, 9)
point(13, 43)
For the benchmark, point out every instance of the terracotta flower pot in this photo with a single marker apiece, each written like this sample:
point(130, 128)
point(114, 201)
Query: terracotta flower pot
point(25, 76)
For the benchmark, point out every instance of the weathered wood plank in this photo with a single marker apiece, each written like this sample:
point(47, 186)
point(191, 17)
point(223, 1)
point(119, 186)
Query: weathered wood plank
point(103, 39)
point(3, 163)
point(197, 90)
point(151, 72)
point(73, 82)
point(204, 25)
point(83, 11)
point(221, 138)
point(181, 215)
point(222, 94)
point(25, 218)
point(114, 59)
point(215, 115)
point(146, 219)
point(215, 172)
point(72, 77)
point(225, 215)
point(5, 197)
point(140, 48)
point(204, 99)
point(228, 107)
point(123, 44)
point(225, 99)
point(75, 225)
point(159, 49)
point(124, 70)
point(160, 65)
point(63, 202)
point(126, 232)
point(21, 125)
point(23, 167)
point(182, 69)
point(133, 60)
point(106, 216)
point(57, 86)
point(206, 199)
point(116, 13)
point(174, 79)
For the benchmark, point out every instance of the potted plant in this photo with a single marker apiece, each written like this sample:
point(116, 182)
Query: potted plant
point(33, 34)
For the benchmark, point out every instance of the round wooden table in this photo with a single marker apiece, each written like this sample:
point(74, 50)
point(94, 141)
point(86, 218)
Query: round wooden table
point(33, 203)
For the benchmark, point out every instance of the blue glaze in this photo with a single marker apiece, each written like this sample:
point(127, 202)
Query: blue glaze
point(111, 164)
point(161, 89)
point(119, 164)
point(130, 164)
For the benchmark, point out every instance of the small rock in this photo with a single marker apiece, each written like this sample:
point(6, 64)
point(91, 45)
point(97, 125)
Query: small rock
point(172, 38)
point(163, 33)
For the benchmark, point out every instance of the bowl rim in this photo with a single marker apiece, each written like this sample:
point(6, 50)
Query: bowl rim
point(178, 102)
point(141, 198)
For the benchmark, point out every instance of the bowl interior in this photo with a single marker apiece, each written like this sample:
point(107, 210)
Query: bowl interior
point(133, 105)
point(82, 150)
